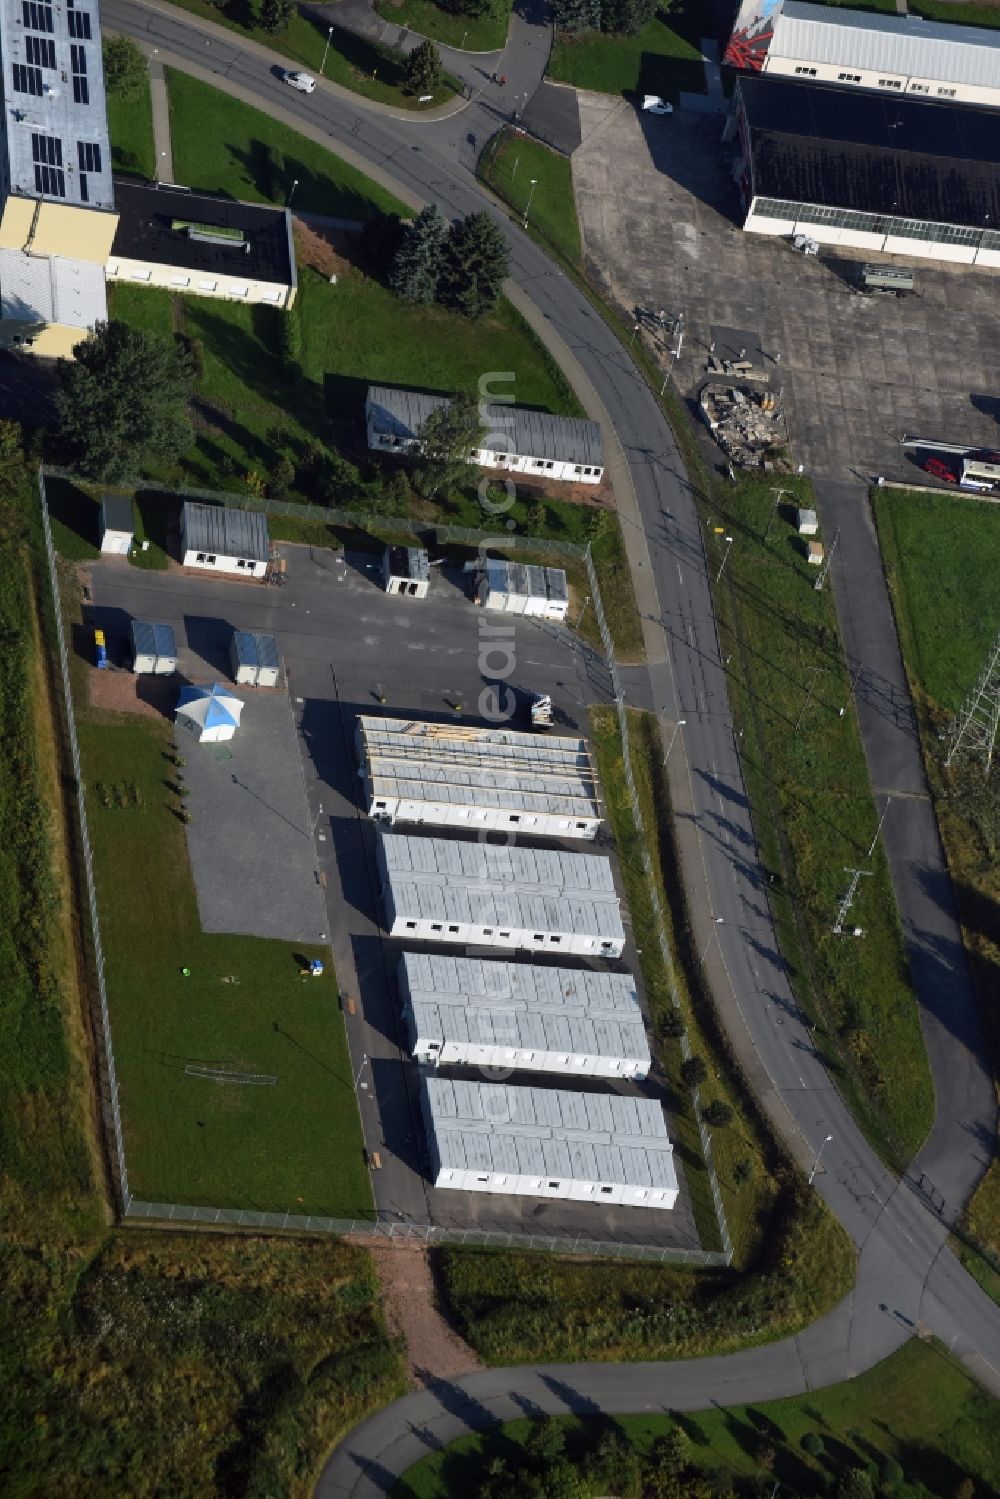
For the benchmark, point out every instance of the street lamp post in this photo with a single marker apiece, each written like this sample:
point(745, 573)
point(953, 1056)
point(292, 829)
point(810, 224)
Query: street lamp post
point(527, 206)
point(719, 920)
point(678, 725)
point(825, 1141)
point(291, 195)
point(364, 1064)
point(329, 38)
point(722, 565)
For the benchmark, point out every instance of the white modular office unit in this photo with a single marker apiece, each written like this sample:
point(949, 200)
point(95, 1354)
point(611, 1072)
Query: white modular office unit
point(154, 648)
point(254, 659)
point(474, 1012)
point(544, 1142)
point(495, 779)
point(517, 588)
point(539, 900)
point(227, 541)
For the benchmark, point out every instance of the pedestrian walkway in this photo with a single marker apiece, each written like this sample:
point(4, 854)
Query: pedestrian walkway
point(161, 119)
point(713, 101)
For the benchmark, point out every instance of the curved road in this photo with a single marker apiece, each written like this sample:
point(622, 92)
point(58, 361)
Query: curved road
point(907, 1277)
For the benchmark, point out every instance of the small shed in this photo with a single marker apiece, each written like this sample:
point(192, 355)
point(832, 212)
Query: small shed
point(406, 570)
point(514, 588)
point(806, 522)
point(814, 553)
point(211, 713)
point(254, 659)
point(117, 524)
point(154, 649)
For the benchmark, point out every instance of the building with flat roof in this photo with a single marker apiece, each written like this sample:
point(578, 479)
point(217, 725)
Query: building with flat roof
point(203, 245)
point(523, 588)
point(477, 1013)
point(453, 775)
point(544, 1142)
point(57, 218)
point(893, 173)
point(863, 49)
point(541, 900)
point(406, 570)
point(221, 540)
point(516, 440)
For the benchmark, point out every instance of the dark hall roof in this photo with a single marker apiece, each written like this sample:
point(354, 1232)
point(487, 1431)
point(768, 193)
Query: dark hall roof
point(147, 212)
point(876, 153)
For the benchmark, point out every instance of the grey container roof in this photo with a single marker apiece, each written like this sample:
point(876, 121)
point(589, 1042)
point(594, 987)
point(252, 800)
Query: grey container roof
point(935, 50)
point(116, 512)
point(510, 429)
point(486, 884)
point(267, 652)
point(483, 1003)
point(152, 639)
point(549, 1132)
point(485, 768)
point(68, 106)
point(253, 649)
point(245, 647)
point(225, 532)
point(411, 563)
point(524, 581)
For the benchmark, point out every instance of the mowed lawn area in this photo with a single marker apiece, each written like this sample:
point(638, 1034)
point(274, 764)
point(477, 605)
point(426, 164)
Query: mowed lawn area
point(814, 813)
point(663, 58)
point(294, 1145)
point(130, 126)
point(452, 28)
point(510, 163)
point(919, 1408)
point(940, 553)
point(224, 146)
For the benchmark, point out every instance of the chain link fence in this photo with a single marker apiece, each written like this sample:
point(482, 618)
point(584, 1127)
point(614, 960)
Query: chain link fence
point(108, 1091)
point(428, 1233)
point(654, 894)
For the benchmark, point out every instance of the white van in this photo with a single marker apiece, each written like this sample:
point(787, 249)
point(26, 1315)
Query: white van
point(303, 82)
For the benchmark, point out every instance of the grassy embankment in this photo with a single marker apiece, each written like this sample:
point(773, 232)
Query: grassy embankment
point(940, 554)
point(452, 28)
point(130, 1359)
point(919, 1409)
point(354, 62)
point(663, 58)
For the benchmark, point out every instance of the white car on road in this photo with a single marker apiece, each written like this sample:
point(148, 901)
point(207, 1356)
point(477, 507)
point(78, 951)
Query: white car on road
point(303, 82)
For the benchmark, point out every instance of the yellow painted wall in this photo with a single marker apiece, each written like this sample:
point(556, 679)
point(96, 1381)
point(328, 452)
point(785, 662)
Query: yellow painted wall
point(61, 229)
point(51, 340)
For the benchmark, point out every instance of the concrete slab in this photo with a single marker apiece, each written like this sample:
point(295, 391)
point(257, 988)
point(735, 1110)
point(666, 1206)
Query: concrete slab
point(250, 836)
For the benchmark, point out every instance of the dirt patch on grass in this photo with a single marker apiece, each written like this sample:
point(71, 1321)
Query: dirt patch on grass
point(433, 1349)
point(121, 692)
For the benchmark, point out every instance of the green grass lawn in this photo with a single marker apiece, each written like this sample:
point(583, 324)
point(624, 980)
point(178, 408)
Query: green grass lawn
point(508, 165)
point(956, 15)
point(663, 58)
point(352, 61)
point(295, 1146)
point(486, 33)
point(807, 776)
point(130, 126)
point(225, 146)
point(940, 553)
point(918, 1408)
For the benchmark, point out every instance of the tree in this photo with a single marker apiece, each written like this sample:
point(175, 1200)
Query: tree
point(812, 1443)
point(718, 1114)
point(694, 1072)
point(125, 68)
point(282, 478)
point(670, 1023)
point(668, 1461)
point(535, 518)
point(742, 1172)
point(123, 401)
point(275, 15)
point(11, 456)
point(416, 269)
point(476, 264)
point(545, 1442)
point(290, 336)
point(856, 1484)
point(626, 17)
point(448, 438)
point(576, 15)
point(890, 1475)
point(424, 70)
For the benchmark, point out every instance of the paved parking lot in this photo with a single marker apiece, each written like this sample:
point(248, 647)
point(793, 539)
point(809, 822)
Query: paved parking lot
point(857, 372)
point(344, 644)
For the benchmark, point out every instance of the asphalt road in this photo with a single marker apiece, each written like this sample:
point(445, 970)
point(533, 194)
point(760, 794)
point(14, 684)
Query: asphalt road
point(904, 1263)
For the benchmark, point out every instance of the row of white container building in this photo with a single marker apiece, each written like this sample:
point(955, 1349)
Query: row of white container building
point(512, 1015)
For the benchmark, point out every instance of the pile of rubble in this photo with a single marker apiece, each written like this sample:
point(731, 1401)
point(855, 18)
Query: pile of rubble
point(748, 425)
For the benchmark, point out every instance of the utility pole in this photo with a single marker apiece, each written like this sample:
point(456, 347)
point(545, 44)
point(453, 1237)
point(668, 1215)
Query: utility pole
point(774, 509)
point(977, 725)
point(818, 585)
point(817, 670)
point(847, 900)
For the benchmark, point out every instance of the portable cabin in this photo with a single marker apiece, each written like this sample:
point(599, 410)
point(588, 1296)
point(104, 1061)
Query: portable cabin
point(254, 659)
point(154, 649)
point(806, 522)
point(406, 570)
point(117, 524)
point(218, 539)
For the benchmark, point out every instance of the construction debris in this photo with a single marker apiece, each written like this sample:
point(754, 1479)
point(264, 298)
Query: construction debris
point(748, 424)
